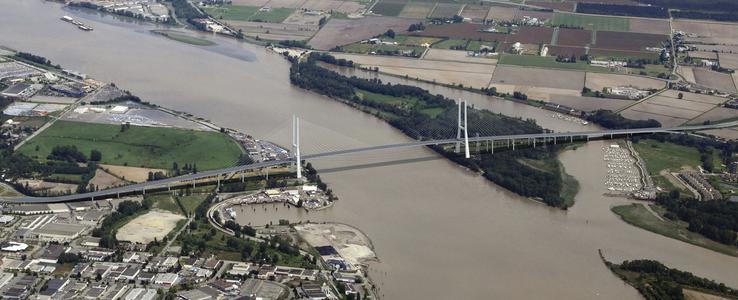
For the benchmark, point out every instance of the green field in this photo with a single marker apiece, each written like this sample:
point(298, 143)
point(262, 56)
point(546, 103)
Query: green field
point(543, 62)
point(232, 12)
point(666, 156)
point(637, 215)
point(274, 15)
point(450, 43)
point(164, 201)
point(191, 202)
point(591, 22)
point(184, 38)
point(403, 103)
point(138, 146)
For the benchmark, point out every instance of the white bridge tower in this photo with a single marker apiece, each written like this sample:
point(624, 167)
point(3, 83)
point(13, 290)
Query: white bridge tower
point(463, 127)
point(296, 145)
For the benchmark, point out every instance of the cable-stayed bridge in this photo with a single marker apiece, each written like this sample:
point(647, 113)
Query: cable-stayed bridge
point(462, 141)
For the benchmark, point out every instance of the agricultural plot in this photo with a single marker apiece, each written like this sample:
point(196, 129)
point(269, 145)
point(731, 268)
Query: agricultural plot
point(463, 31)
point(445, 72)
point(589, 103)
point(542, 62)
point(653, 26)
point(450, 44)
point(258, 3)
point(717, 48)
point(591, 22)
point(339, 32)
point(350, 7)
point(598, 81)
point(293, 4)
point(630, 41)
point(232, 12)
point(708, 32)
point(138, 146)
point(309, 22)
point(607, 54)
point(502, 13)
point(716, 80)
point(703, 55)
point(388, 8)
point(454, 55)
point(717, 114)
point(275, 31)
point(669, 110)
point(563, 6)
point(321, 5)
point(566, 51)
point(532, 35)
point(417, 10)
point(274, 15)
point(536, 77)
point(728, 60)
point(476, 13)
point(573, 37)
point(445, 10)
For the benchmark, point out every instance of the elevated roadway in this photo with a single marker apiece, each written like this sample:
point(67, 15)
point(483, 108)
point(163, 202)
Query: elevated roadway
point(216, 175)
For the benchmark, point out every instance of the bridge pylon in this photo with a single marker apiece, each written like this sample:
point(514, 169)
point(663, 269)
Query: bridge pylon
point(296, 145)
point(463, 127)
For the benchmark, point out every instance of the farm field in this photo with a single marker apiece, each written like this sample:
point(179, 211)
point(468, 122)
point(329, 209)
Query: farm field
point(450, 44)
point(462, 31)
point(232, 12)
point(477, 13)
point(445, 72)
point(573, 37)
point(532, 35)
point(566, 51)
point(275, 31)
point(138, 146)
point(703, 54)
point(536, 77)
point(607, 54)
point(543, 62)
point(389, 8)
point(589, 103)
point(728, 60)
point(591, 22)
point(445, 10)
point(274, 15)
point(708, 32)
point(716, 80)
point(454, 55)
point(687, 73)
point(564, 6)
point(502, 13)
point(630, 41)
point(339, 32)
point(671, 111)
point(417, 10)
point(653, 26)
point(598, 81)
point(715, 115)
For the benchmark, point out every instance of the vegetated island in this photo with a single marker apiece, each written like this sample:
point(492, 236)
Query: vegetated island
point(530, 172)
point(656, 281)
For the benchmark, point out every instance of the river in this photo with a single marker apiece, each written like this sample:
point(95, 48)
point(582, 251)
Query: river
point(439, 231)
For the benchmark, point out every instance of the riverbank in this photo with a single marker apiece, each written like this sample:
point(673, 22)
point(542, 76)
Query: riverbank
point(638, 215)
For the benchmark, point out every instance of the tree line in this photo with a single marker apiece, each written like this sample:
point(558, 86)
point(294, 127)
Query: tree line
point(716, 220)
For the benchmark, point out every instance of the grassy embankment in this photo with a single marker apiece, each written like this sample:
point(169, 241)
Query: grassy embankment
point(172, 35)
point(637, 215)
point(138, 146)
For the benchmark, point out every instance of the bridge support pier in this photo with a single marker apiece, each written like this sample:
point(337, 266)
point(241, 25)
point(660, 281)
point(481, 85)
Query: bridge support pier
point(513, 144)
point(296, 145)
point(554, 140)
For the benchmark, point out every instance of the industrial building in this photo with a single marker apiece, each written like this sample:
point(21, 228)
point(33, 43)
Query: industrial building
point(57, 232)
point(21, 90)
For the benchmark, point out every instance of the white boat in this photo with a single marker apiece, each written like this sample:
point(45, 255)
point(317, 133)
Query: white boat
point(67, 19)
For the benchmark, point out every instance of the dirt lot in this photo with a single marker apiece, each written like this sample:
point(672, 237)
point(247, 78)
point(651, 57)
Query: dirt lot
point(728, 60)
point(589, 103)
point(574, 37)
point(50, 187)
point(277, 31)
point(500, 13)
point(341, 32)
point(476, 13)
point(133, 174)
point(447, 72)
point(104, 180)
point(708, 32)
point(627, 40)
point(155, 224)
point(455, 55)
point(598, 81)
point(560, 79)
point(417, 10)
point(350, 243)
point(716, 80)
point(653, 26)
